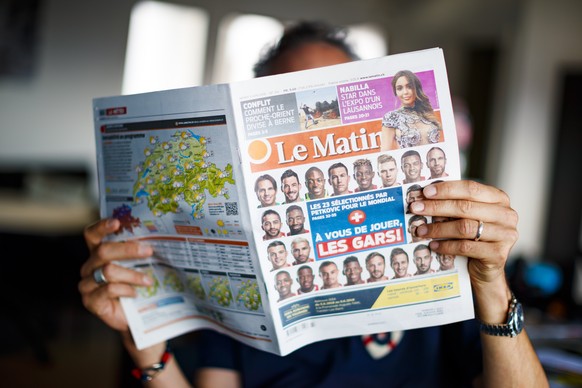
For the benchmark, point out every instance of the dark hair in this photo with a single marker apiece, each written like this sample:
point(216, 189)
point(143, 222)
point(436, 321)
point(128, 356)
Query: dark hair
point(298, 34)
point(265, 177)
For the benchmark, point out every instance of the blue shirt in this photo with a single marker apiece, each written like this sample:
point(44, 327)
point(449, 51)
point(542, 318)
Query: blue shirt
point(445, 356)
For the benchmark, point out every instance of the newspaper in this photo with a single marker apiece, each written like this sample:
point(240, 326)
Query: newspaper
point(187, 171)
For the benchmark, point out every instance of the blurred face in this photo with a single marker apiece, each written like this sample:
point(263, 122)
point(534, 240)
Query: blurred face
point(446, 262)
point(329, 275)
point(315, 183)
point(388, 173)
point(266, 193)
point(364, 175)
point(277, 256)
point(405, 91)
point(290, 187)
point(305, 278)
point(414, 195)
point(436, 161)
point(339, 180)
point(309, 56)
point(422, 260)
point(283, 284)
point(296, 221)
point(412, 229)
point(301, 251)
point(271, 225)
point(399, 265)
point(353, 271)
point(375, 267)
point(411, 166)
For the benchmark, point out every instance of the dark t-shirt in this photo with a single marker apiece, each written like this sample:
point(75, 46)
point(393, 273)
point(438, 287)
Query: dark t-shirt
point(446, 356)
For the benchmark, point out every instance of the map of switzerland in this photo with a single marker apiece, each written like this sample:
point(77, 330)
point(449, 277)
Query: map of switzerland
point(176, 171)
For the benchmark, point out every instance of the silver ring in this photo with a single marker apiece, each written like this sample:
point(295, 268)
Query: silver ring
point(479, 231)
point(99, 277)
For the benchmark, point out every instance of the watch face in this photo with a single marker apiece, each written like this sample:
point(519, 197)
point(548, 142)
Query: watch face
point(517, 318)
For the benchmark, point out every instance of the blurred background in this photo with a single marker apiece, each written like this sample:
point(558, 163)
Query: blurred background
point(515, 72)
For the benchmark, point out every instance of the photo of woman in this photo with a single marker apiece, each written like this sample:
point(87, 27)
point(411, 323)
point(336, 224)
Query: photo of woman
point(414, 123)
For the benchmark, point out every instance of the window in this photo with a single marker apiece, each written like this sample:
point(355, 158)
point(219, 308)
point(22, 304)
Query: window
point(166, 47)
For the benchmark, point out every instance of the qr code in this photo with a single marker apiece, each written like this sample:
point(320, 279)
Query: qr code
point(231, 208)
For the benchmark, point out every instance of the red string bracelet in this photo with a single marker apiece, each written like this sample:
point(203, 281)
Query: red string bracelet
point(148, 374)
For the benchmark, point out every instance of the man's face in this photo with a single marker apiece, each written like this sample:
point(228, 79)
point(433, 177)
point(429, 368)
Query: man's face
point(277, 256)
point(446, 261)
point(266, 193)
point(329, 275)
point(411, 166)
point(339, 180)
point(315, 184)
point(399, 265)
point(412, 229)
point(296, 221)
point(301, 251)
point(271, 225)
point(305, 278)
point(388, 173)
point(283, 284)
point(436, 161)
point(422, 259)
point(363, 174)
point(290, 187)
point(414, 195)
point(375, 267)
point(353, 271)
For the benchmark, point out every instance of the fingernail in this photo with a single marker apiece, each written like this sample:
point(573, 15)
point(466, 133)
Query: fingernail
point(147, 281)
point(421, 230)
point(434, 245)
point(429, 191)
point(111, 222)
point(417, 206)
point(144, 249)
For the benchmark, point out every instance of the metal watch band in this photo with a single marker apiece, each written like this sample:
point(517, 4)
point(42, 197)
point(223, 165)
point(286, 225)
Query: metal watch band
point(514, 323)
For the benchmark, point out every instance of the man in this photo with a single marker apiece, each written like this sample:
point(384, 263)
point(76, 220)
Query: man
point(290, 186)
point(305, 279)
point(411, 167)
point(228, 363)
point(283, 283)
point(422, 260)
point(376, 265)
point(414, 222)
point(315, 182)
point(446, 262)
point(388, 170)
point(301, 250)
point(399, 262)
point(353, 271)
point(295, 220)
point(271, 224)
point(364, 175)
point(413, 193)
point(266, 190)
point(329, 275)
point(339, 178)
point(308, 115)
point(277, 254)
point(436, 161)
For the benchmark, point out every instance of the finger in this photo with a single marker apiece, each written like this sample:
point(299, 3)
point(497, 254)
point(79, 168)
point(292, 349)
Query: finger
point(96, 232)
point(116, 274)
point(468, 190)
point(489, 255)
point(107, 252)
point(467, 229)
point(468, 209)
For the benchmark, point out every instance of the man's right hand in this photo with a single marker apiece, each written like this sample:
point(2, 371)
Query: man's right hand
point(103, 300)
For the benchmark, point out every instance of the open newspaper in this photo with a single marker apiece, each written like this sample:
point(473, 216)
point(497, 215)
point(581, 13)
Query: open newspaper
point(278, 207)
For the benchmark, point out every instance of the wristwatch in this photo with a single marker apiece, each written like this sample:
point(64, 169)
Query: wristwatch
point(514, 323)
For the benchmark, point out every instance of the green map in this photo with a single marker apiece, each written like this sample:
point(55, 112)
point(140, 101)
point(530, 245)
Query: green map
point(177, 171)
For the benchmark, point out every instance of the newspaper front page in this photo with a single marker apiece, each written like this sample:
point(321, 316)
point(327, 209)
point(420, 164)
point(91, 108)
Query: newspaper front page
point(277, 207)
